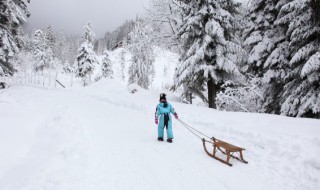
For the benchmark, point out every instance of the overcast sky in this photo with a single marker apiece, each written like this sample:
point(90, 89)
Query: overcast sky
point(72, 15)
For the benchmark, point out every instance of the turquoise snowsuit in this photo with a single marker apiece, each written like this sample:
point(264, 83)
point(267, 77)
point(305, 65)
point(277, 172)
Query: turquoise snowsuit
point(164, 113)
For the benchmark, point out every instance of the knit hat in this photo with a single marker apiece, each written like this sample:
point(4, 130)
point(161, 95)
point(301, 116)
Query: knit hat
point(163, 96)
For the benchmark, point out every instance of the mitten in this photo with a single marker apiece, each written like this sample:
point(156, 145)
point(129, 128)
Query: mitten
point(176, 115)
point(156, 121)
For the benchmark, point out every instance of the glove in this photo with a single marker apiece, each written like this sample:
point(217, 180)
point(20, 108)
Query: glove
point(176, 115)
point(156, 121)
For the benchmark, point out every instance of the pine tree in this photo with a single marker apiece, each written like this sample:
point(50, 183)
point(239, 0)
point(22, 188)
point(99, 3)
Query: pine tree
point(141, 70)
point(41, 52)
point(11, 36)
point(86, 58)
point(50, 39)
point(61, 47)
point(88, 36)
point(85, 61)
point(208, 46)
point(261, 34)
point(267, 45)
point(106, 66)
point(302, 89)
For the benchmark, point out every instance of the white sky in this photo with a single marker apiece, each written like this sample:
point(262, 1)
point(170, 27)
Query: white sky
point(72, 15)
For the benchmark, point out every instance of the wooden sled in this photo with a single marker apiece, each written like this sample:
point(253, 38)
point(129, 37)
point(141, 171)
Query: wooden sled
point(229, 150)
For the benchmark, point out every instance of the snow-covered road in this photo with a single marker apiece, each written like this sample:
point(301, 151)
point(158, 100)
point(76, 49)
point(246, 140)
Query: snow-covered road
point(103, 137)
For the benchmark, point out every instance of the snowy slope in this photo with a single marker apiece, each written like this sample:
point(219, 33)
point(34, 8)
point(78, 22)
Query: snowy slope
point(103, 137)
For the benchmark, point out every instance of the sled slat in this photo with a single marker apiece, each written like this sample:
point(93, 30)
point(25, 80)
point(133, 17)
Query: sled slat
point(227, 149)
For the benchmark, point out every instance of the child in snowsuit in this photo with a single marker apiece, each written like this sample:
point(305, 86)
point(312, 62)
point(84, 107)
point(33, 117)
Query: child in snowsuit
point(163, 110)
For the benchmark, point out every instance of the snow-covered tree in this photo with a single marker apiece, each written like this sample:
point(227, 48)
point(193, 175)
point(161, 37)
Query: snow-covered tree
point(88, 36)
point(41, 52)
point(23, 60)
point(86, 58)
point(100, 46)
point(165, 12)
point(261, 34)
point(244, 97)
point(67, 68)
point(12, 16)
point(164, 18)
point(106, 66)
point(122, 63)
point(302, 89)
point(61, 47)
point(72, 44)
point(50, 39)
point(268, 54)
point(119, 35)
point(141, 70)
point(110, 38)
point(208, 45)
point(85, 62)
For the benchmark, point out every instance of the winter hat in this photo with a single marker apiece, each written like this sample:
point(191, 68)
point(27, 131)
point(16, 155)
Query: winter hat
point(163, 96)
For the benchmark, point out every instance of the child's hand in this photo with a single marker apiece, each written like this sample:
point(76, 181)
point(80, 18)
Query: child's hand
point(156, 121)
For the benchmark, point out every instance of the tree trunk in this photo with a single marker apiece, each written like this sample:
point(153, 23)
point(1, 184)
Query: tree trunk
point(212, 93)
point(189, 98)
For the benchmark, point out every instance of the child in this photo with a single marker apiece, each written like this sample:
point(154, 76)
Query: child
point(163, 110)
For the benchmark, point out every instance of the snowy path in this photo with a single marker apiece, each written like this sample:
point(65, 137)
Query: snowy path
point(103, 137)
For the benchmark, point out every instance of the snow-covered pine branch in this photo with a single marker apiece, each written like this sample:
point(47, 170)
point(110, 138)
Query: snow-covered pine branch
point(267, 45)
point(244, 97)
point(301, 92)
point(208, 44)
point(12, 14)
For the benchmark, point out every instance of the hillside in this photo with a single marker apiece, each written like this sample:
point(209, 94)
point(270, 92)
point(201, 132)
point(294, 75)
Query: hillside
point(104, 137)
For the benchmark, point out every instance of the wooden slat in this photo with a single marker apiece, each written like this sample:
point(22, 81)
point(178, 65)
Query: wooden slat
point(229, 148)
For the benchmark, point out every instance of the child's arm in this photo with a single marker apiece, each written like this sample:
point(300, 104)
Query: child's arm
point(173, 112)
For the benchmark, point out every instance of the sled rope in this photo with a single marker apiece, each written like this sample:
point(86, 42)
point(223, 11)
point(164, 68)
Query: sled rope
point(195, 132)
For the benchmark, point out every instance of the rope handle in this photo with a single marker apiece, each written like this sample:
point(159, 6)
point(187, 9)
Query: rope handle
point(195, 131)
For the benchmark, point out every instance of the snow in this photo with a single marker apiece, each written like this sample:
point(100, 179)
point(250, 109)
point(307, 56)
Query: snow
point(103, 137)
point(313, 64)
point(165, 63)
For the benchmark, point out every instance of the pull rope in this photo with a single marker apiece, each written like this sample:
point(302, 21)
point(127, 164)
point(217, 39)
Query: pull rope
point(196, 132)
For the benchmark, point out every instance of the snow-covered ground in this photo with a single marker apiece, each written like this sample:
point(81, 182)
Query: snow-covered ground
point(103, 137)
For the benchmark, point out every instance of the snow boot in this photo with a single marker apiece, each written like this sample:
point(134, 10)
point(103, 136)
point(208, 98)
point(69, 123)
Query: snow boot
point(160, 139)
point(169, 140)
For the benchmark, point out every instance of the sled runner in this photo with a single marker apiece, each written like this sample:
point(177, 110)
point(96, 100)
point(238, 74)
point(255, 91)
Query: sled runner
point(218, 145)
point(228, 149)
